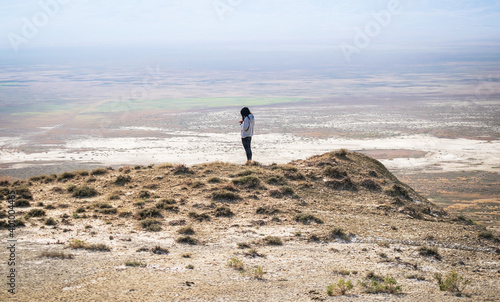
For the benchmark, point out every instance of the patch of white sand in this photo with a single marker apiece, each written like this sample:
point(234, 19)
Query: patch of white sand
point(192, 147)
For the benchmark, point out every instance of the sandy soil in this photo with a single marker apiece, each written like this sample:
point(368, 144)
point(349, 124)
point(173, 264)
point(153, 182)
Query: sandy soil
point(385, 233)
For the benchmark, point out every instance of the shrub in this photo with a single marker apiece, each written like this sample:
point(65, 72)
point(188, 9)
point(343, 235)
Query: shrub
point(388, 286)
point(334, 172)
point(286, 190)
point(344, 184)
point(49, 207)
point(134, 264)
point(245, 173)
point(182, 169)
point(98, 171)
point(187, 240)
point(252, 253)
point(23, 192)
point(338, 233)
point(341, 153)
point(199, 217)
point(273, 240)
point(236, 263)
point(59, 255)
point(35, 213)
point(22, 203)
point(341, 286)
point(97, 247)
point(214, 180)
point(102, 205)
point(287, 167)
point(276, 180)
point(114, 197)
point(84, 191)
point(122, 180)
point(125, 214)
point(159, 250)
point(149, 213)
point(307, 218)
point(223, 212)
point(488, 235)
point(187, 230)
point(225, 196)
point(453, 282)
point(247, 182)
point(71, 188)
point(294, 175)
point(242, 245)
point(144, 195)
point(82, 172)
point(66, 176)
point(50, 221)
point(160, 204)
point(266, 210)
point(151, 225)
point(429, 252)
point(108, 211)
point(258, 272)
point(189, 266)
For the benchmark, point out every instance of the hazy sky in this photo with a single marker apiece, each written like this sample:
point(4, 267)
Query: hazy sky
point(169, 22)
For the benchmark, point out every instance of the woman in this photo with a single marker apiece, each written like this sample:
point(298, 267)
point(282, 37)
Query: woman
point(247, 122)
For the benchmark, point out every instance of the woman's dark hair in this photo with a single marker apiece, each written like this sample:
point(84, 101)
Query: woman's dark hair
point(245, 112)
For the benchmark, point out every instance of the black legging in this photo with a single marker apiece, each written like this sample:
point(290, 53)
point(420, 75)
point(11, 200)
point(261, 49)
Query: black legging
point(247, 141)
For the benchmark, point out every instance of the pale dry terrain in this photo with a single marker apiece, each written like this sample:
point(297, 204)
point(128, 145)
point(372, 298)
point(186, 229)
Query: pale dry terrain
point(175, 233)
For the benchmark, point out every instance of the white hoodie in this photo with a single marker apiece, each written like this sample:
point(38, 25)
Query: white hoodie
point(247, 126)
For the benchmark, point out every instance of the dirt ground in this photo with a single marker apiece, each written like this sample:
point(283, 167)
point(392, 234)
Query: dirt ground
point(306, 224)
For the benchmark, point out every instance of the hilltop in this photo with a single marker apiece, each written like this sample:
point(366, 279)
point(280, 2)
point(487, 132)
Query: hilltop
point(229, 232)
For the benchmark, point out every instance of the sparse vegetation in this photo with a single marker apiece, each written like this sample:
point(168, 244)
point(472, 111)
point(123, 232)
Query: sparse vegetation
point(258, 272)
point(341, 287)
point(135, 264)
point(273, 240)
point(338, 233)
point(199, 217)
point(187, 240)
point(334, 172)
point(429, 252)
point(223, 212)
point(80, 244)
point(22, 203)
point(84, 191)
point(224, 195)
point(50, 221)
point(452, 282)
point(149, 213)
point(187, 230)
point(57, 255)
point(307, 218)
point(122, 180)
point(35, 213)
point(389, 285)
point(98, 171)
point(66, 176)
point(249, 181)
point(159, 250)
point(182, 169)
point(151, 224)
point(236, 263)
point(214, 180)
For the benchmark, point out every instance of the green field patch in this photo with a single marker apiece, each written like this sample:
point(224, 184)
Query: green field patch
point(189, 103)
